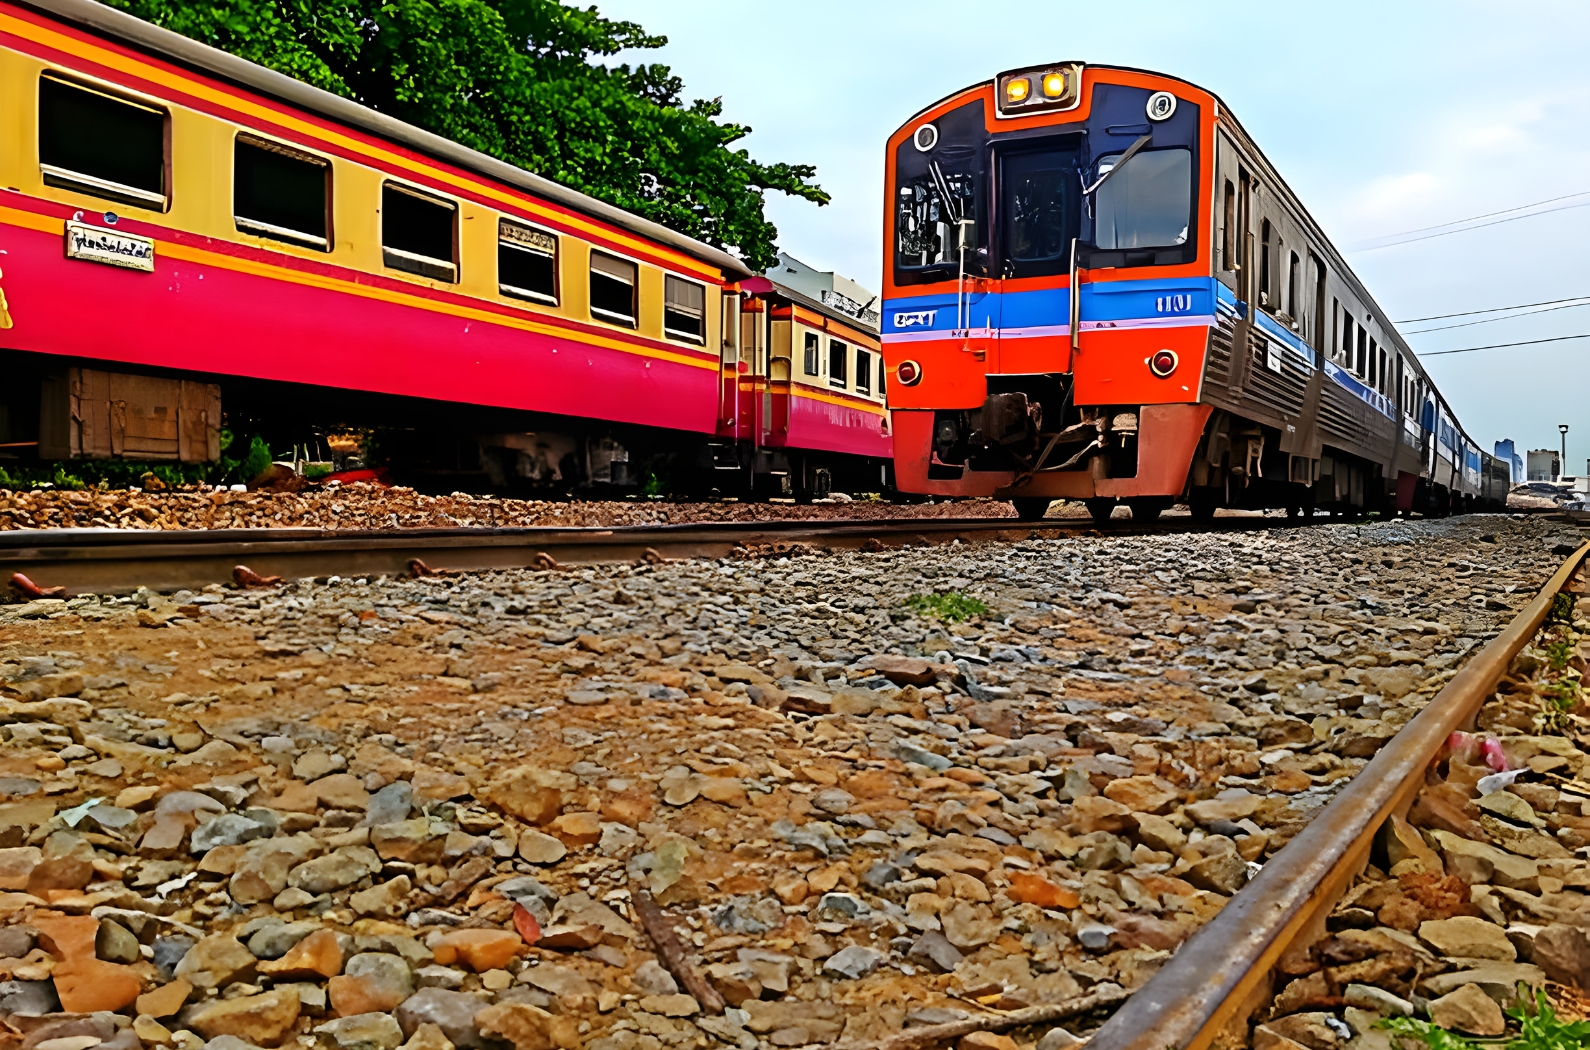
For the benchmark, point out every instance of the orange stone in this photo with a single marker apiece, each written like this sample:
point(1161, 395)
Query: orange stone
point(628, 808)
point(1026, 888)
point(89, 985)
point(528, 801)
point(1289, 782)
point(296, 797)
point(986, 1041)
point(165, 1000)
point(480, 950)
point(68, 937)
point(357, 995)
point(579, 829)
point(318, 955)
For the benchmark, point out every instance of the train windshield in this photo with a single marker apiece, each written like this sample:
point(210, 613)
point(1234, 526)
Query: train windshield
point(1147, 204)
point(1040, 208)
point(931, 210)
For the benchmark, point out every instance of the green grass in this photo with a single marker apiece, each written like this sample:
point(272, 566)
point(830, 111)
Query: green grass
point(1539, 1028)
point(949, 605)
point(1562, 607)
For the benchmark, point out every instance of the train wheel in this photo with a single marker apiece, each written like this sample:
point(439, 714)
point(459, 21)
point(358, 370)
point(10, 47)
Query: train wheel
point(1147, 508)
point(1031, 508)
point(1203, 502)
point(1100, 509)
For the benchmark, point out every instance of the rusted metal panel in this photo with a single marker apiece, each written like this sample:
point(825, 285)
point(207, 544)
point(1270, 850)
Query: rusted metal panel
point(88, 412)
point(1223, 972)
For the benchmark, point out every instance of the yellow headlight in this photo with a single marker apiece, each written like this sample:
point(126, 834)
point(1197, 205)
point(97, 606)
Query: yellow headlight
point(1054, 85)
point(1018, 89)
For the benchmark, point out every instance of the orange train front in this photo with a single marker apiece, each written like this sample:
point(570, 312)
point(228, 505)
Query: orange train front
point(1096, 287)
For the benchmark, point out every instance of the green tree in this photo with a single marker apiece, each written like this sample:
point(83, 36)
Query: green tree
point(523, 81)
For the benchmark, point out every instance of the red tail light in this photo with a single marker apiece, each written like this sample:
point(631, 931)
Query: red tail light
point(1162, 363)
point(909, 373)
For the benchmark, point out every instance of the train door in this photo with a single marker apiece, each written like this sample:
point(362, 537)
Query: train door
point(1247, 289)
point(733, 317)
point(1039, 215)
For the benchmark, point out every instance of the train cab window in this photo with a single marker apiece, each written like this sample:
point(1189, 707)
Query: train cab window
point(837, 363)
point(684, 309)
point(811, 364)
point(1147, 204)
point(101, 145)
point(527, 263)
point(280, 192)
point(1040, 199)
point(418, 233)
point(863, 371)
point(613, 284)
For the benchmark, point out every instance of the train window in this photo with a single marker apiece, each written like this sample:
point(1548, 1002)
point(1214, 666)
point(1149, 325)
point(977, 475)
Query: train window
point(1228, 235)
point(1385, 378)
point(417, 232)
point(1361, 365)
point(813, 366)
point(613, 289)
point(1291, 287)
point(1040, 199)
point(837, 363)
point(1373, 374)
point(684, 309)
point(1346, 355)
point(1266, 299)
point(280, 192)
point(1148, 203)
point(527, 263)
point(883, 373)
point(863, 371)
point(101, 144)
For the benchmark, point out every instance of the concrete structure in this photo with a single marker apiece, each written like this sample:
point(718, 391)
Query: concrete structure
point(1507, 453)
point(831, 289)
point(1544, 464)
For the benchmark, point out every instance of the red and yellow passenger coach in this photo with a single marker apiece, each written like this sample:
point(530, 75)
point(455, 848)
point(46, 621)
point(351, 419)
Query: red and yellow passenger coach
point(1096, 287)
point(178, 224)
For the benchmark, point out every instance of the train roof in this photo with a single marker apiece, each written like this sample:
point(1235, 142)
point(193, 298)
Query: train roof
point(820, 307)
point(118, 25)
point(1227, 115)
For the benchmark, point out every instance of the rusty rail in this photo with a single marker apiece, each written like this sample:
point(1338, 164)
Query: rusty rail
point(112, 561)
point(1222, 973)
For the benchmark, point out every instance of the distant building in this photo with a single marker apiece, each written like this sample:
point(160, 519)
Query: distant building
point(829, 288)
point(1544, 464)
point(1509, 455)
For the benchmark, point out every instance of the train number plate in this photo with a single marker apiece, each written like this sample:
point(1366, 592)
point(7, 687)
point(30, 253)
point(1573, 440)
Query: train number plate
point(97, 244)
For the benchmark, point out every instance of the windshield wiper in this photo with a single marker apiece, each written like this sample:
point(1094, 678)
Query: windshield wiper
point(1131, 151)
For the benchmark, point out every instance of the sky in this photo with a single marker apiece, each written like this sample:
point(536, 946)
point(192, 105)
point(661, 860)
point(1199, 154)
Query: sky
point(1382, 117)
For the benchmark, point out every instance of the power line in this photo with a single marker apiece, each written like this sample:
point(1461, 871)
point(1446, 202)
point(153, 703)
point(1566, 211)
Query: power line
point(1493, 320)
point(1466, 229)
point(1497, 346)
point(1492, 310)
point(1489, 214)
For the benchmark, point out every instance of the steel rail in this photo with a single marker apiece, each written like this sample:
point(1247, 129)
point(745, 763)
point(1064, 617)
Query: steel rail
point(113, 561)
point(1223, 972)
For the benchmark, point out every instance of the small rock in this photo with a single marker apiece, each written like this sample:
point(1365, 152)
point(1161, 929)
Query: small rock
point(853, 962)
point(263, 1019)
point(115, 943)
point(480, 950)
point(216, 960)
point(1470, 1010)
point(537, 847)
point(165, 1000)
point(317, 955)
point(933, 950)
point(679, 1005)
point(336, 870)
point(1377, 1000)
point(385, 899)
point(372, 1031)
point(371, 982)
point(1563, 951)
point(1468, 937)
point(650, 978)
point(452, 1012)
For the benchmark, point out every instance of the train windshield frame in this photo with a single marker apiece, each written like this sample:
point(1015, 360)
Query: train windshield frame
point(1148, 203)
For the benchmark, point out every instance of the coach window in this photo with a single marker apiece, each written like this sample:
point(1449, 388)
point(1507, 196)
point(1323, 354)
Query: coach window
point(1361, 366)
point(1266, 300)
point(418, 233)
point(1291, 289)
point(863, 371)
point(527, 263)
point(613, 284)
point(280, 192)
point(836, 363)
point(684, 309)
point(813, 366)
point(1346, 355)
point(102, 145)
point(1228, 237)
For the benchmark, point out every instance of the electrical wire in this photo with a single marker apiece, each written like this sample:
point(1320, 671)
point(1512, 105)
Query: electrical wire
point(1466, 229)
point(1489, 214)
point(1497, 346)
point(1493, 320)
point(1492, 310)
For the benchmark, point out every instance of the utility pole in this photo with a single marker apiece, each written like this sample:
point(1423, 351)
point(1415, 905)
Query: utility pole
point(1562, 464)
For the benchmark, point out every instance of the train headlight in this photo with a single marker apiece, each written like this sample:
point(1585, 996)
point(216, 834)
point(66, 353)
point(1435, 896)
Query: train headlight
point(1162, 363)
point(1039, 88)
point(909, 373)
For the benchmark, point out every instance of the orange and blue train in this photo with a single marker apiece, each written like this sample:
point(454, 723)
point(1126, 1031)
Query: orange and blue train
point(1096, 287)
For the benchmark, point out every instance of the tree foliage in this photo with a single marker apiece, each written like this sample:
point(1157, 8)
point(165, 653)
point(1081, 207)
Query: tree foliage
point(523, 81)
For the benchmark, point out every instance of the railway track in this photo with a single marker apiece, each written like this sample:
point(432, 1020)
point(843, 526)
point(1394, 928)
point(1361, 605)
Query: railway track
point(114, 561)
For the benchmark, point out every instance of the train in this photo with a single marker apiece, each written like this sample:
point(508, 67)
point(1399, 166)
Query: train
point(1096, 287)
point(195, 244)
